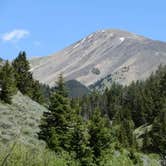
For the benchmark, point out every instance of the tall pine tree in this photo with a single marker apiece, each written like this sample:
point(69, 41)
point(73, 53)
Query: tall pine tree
point(57, 125)
point(80, 143)
point(100, 135)
point(158, 133)
point(25, 82)
point(7, 83)
point(124, 126)
point(23, 76)
point(37, 93)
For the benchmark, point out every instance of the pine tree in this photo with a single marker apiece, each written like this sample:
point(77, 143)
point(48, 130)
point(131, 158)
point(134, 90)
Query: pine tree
point(100, 133)
point(23, 76)
point(37, 92)
point(113, 99)
point(124, 128)
point(61, 88)
point(7, 83)
point(158, 133)
point(25, 82)
point(58, 124)
point(85, 107)
point(162, 85)
point(80, 143)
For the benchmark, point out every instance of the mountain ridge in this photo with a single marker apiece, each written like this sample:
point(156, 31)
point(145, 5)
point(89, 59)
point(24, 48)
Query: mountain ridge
point(126, 56)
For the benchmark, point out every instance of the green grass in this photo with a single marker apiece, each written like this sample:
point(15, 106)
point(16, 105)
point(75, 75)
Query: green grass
point(22, 155)
point(124, 157)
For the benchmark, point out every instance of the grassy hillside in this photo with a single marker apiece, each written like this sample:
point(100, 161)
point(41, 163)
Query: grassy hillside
point(19, 123)
point(20, 120)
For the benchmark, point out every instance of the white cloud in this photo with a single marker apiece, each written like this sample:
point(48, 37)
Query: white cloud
point(15, 35)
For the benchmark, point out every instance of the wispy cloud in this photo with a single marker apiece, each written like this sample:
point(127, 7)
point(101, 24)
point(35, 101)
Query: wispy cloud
point(15, 35)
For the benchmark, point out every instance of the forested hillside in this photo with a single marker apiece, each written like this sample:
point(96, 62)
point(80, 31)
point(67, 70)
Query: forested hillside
point(130, 118)
point(124, 125)
point(142, 103)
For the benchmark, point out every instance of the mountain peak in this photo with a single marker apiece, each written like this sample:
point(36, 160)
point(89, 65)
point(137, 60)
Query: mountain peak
point(108, 34)
point(102, 53)
point(119, 33)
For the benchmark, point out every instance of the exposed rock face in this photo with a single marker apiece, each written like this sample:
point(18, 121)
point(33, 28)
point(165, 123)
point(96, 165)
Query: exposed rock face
point(126, 56)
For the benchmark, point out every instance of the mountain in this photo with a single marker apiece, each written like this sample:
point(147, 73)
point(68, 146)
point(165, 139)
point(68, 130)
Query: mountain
point(123, 55)
point(76, 89)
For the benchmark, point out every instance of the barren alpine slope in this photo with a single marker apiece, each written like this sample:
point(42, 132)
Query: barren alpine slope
point(123, 55)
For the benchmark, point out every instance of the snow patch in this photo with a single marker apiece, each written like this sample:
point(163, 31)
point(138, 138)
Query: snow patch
point(90, 36)
point(77, 45)
point(111, 34)
point(121, 39)
point(83, 40)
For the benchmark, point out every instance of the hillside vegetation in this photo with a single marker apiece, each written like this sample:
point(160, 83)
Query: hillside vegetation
point(22, 155)
point(124, 125)
point(20, 120)
point(138, 111)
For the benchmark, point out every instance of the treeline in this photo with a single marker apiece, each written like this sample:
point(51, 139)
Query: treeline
point(89, 128)
point(17, 76)
point(140, 103)
point(65, 131)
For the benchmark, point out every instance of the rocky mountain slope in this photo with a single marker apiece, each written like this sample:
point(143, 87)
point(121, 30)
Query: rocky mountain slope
point(123, 55)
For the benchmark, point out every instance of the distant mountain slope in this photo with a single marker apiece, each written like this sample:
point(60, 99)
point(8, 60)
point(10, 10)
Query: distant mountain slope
point(126, 56)
point(20, 120)
point(102, 84)
point(76, 89)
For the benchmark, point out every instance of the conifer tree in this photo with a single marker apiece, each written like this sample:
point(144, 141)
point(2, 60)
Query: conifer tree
point(114, 99)
point(25, 82)
point(61, 88)
point(58, 124)
point(7, 83)
point(37, 92)
point(80, 143)
point(23, 76)
point(100, 137)
point(159, 133)
point(162, 85)
point(125, 128)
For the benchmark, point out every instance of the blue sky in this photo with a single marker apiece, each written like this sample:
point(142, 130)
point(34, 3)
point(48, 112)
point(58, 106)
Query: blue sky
point(42, 27)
